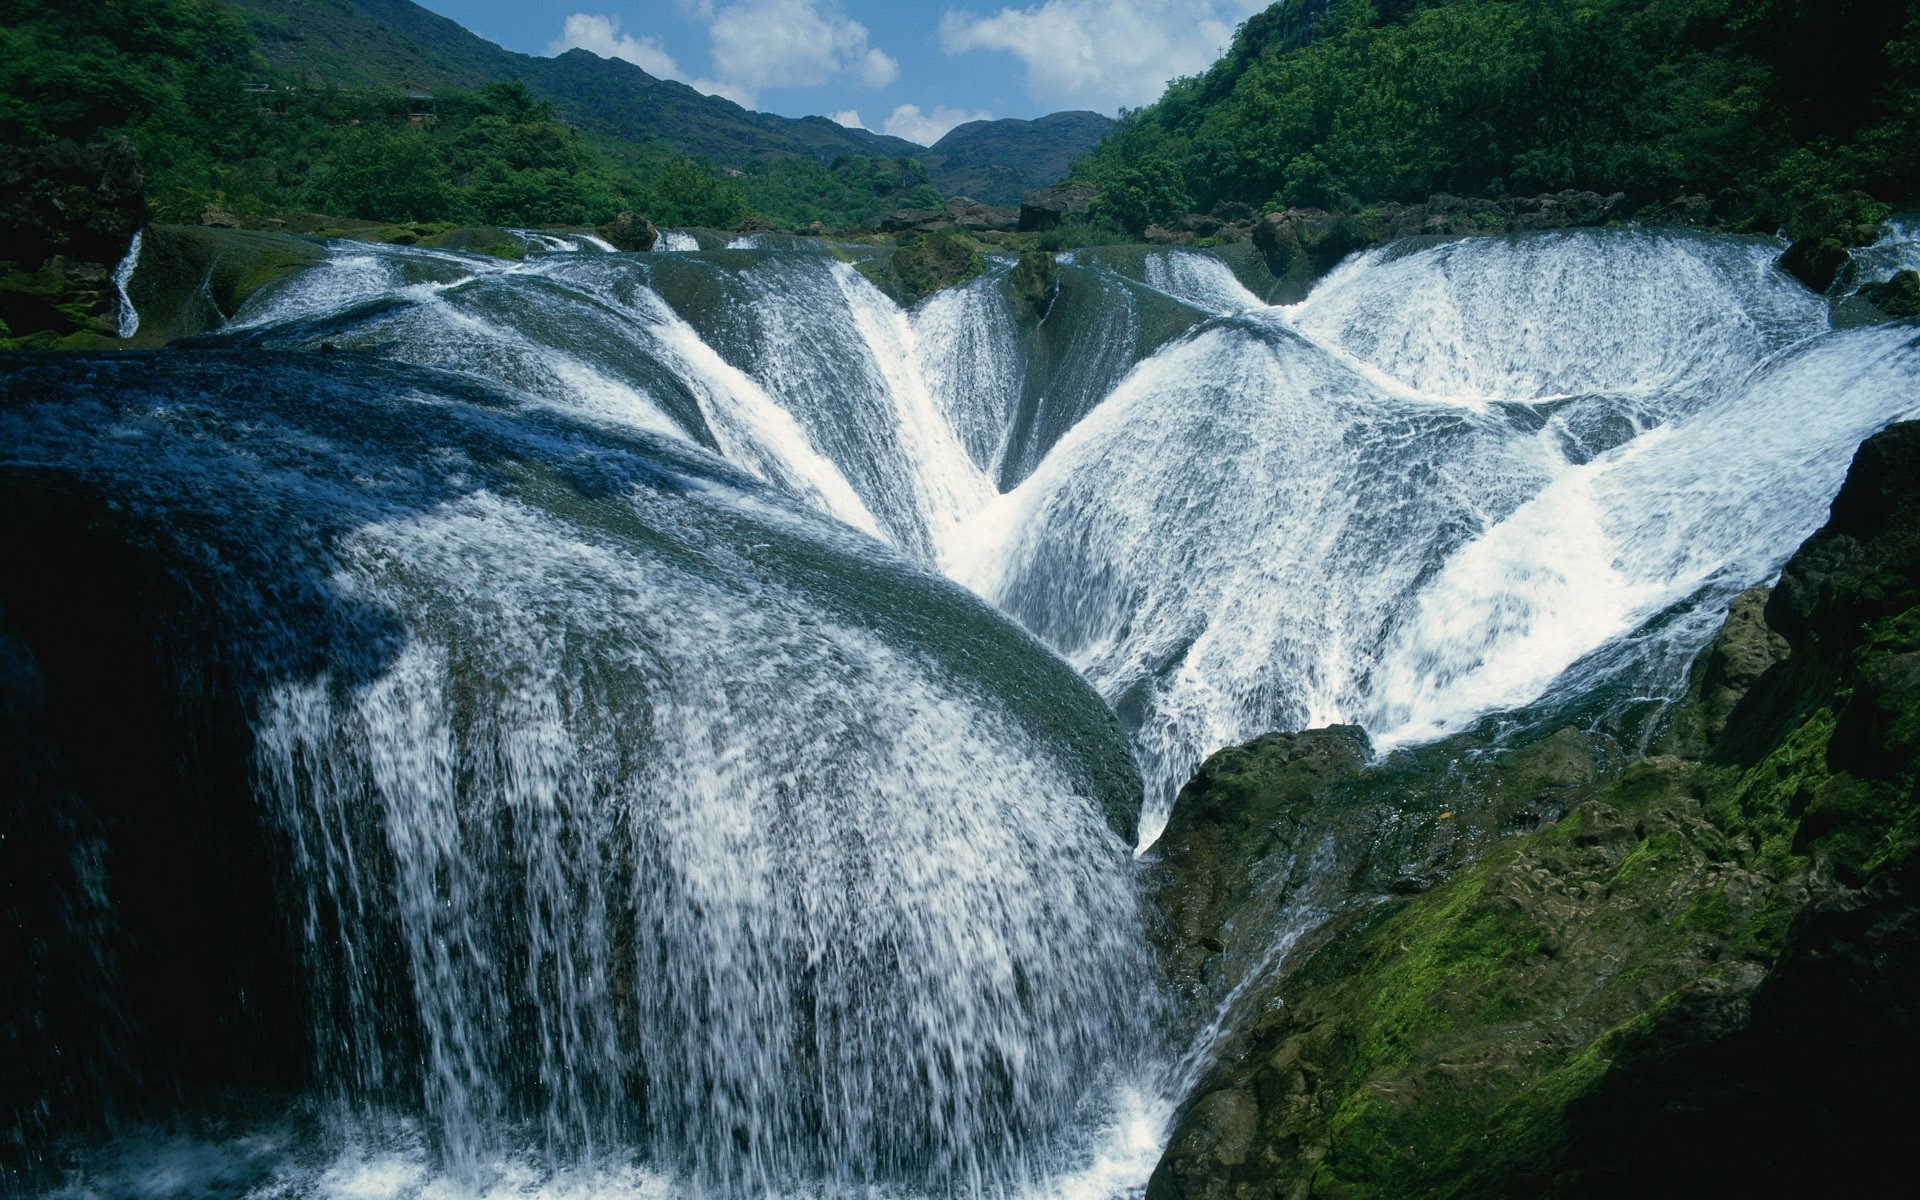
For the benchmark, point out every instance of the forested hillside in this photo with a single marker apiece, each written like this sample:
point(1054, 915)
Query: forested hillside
point(1373, 100)
point(214, 122)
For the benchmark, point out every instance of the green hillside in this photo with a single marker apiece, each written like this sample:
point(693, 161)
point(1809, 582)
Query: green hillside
point(1371, 100)
point(334, 43)
point(360, 43)
point(994, 161)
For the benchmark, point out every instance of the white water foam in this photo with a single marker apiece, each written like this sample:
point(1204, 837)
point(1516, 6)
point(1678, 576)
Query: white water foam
point(1201, 280)
point(127, 317)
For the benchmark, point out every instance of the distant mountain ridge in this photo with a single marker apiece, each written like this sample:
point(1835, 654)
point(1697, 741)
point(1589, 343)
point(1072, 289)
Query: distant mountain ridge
point(361, 43)
point(994, 161)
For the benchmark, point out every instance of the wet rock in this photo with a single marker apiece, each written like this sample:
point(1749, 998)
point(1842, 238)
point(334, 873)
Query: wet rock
point(1815, 261)
point(190, 279)
point(1897, 297)
point(1036, 282)
point(631, 232)
point(1700, 977)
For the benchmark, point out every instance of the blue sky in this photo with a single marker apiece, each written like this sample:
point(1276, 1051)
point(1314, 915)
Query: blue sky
point(910, 69)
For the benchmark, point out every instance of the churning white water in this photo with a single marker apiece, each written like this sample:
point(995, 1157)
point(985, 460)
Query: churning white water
point(1428, 492)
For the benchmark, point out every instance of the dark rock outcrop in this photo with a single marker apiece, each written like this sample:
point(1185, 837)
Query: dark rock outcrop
point(1036, 281)
point(1897, 297)
point(1701, 978)
point(80, 202)
point(1044, 208)
point(630, 231)
point(1814, 261)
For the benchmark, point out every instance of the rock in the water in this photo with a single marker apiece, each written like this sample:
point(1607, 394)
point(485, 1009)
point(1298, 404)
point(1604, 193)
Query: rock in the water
point(1897, 297)
point(630, 231)
point(1815, 261)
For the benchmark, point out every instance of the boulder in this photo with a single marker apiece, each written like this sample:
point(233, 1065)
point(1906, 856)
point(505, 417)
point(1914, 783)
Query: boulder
point(974, 217)
point(1815, 260)
point(1044, 208)
point(915, 220)
point(630, 231)
point(1897, 297)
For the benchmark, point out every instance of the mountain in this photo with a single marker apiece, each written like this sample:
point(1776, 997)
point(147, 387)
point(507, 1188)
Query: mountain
point(358, 43)
point(994, 161)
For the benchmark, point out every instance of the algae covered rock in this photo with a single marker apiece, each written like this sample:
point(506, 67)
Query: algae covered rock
point(1815, 261)
point(630, 231)
point(1699, 980)
point(1036, 280)
point(1897, 297)
point(923, 265)
point(192, 279)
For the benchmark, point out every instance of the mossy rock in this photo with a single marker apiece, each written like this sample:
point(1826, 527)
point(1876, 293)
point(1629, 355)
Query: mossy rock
point(61, 306)
point(920, 266)
point(1815, 261)
point(1897, 297)
point(191, 279)
point(479, 239)
point(1035, 281)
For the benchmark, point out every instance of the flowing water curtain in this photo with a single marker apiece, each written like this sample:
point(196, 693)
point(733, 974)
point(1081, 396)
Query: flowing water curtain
point(630, 815)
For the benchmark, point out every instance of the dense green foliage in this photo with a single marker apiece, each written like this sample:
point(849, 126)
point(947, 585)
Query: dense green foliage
point(1400, 99)
point(853, 190)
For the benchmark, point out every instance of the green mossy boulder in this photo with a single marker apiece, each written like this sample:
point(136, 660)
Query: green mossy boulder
point(1897, 297)
point(1815, 261)
point(922, 265)
point(191, 279)
point(1036, 281)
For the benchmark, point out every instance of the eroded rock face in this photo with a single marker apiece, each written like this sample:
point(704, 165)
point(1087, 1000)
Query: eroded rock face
point(1700, 978)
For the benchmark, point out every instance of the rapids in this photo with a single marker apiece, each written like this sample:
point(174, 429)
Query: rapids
point(654, 820)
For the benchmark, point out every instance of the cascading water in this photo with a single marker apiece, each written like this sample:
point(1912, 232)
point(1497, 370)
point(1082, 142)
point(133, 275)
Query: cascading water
point(625, 809)
point(1373, 508)
point(1233, 530)
point(659, 820)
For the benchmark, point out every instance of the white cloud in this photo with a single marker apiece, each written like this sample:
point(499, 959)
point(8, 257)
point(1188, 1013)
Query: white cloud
point(602, 36)
point(755, 44)
point(926, 128)
point(1102, 53)
point(794, 43)
point(850, 117)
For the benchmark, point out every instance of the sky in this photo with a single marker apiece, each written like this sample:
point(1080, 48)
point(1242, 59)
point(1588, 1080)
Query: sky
point(914, 70)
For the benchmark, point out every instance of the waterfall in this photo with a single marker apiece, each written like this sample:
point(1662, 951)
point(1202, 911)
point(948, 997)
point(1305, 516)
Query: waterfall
point(647, 807)
point(1233, 518)
point(621, 804)
point(127, 317)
